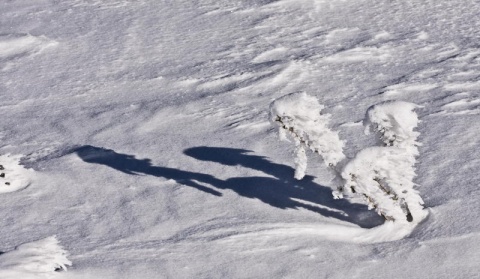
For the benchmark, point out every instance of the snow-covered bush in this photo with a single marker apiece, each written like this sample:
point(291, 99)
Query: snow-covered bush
point(394, 124)
point(13, 176)
point(299, 117)
point(381, 175)
point(35, 259)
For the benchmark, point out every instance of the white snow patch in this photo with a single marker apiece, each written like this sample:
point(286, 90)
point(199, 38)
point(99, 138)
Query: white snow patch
point(382, 36)
point(422, 36)
point(462, 102)
point(409, 88)
point(351, 124)
point(342, 35)
point(278, 53)
point(462, 86)
point(389, 231)
point(225, 83)
point(19, 44)
point(360, 54)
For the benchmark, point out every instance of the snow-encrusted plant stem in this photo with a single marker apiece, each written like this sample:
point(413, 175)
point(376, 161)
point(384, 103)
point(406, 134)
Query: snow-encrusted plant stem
point(299, 116)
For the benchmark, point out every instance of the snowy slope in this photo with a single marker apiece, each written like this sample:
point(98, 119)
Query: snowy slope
point(145, 128)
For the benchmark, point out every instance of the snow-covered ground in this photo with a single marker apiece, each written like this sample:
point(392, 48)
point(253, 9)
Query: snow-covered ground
point(137, 132)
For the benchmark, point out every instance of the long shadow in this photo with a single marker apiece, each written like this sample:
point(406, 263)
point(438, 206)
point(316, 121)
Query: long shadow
point(281, 190)
point(278, 188)
point(130, 165)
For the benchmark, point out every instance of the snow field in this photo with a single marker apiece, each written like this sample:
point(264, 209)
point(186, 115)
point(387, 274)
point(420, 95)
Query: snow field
point(181, 174)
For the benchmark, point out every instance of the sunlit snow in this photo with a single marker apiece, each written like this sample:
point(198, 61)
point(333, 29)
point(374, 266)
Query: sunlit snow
point(137, 133)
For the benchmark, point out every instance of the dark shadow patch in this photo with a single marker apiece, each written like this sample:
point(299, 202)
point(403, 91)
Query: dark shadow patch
point(130, 165)
point(278, 189)
point(281, 190)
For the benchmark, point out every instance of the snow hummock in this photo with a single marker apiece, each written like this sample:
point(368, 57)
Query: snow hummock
point(18, 45)
point(36, 259)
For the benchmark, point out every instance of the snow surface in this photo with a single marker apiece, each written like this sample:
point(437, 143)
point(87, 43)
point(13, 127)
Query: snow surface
point(146, 126)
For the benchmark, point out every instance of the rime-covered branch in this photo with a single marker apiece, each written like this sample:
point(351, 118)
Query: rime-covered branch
point(382, 175)
point(299, 117)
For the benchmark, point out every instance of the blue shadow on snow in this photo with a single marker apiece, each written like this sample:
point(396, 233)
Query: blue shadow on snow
point(278, 189)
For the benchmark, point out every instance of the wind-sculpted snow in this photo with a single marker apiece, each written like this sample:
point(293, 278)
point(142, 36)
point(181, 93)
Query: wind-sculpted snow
point(19, 45)
point(146, 125)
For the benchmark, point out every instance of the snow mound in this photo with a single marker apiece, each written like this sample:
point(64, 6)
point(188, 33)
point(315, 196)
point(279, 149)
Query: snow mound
point(13, 176)
point(37, 259)
point(389, 231)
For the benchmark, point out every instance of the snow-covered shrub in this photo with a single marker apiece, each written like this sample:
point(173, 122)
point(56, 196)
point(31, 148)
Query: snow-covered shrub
point(394, 123)
point(34, 259)
point(382, 175)
point(13, 176)
point(300, 117)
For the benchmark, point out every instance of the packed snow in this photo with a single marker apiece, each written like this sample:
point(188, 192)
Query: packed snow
point(138, 133)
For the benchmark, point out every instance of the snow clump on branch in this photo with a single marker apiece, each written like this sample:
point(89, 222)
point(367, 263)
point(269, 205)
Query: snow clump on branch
point(299, 117)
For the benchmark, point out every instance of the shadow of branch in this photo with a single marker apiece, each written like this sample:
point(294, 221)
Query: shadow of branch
point(279, 190)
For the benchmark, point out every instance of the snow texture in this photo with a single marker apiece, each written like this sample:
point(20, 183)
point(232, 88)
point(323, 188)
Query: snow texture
point(37, 259)
point(146, 125)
